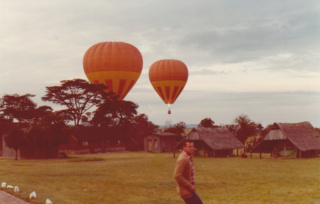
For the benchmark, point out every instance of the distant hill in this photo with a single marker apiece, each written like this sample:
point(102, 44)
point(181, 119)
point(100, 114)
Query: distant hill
point(191, 125)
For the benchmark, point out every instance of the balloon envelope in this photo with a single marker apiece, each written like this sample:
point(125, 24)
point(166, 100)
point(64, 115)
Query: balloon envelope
point(117, 65)
point(168, 77)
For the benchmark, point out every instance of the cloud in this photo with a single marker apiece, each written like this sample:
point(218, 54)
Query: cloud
point(207, 72)
point(223, 108)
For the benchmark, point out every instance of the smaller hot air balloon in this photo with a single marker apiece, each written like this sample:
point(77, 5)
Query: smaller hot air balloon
point(168, 77)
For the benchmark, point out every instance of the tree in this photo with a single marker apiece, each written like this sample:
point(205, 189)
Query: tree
point(78, 95)
point(116, 113)
point(260, 134)
point(65, 114)
point(177, 128)
point(246, 128)
point(207, 123)
point(15, 138)
point(251, 141)
point(232, 128)
point(42, 110)
point(3, 119)
point(46, 134)
point(119, 115)
point(18, 107)
point(143, 126)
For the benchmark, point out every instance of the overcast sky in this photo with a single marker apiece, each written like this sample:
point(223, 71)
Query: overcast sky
point(258, 58)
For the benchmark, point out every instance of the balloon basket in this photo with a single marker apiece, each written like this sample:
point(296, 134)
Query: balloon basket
point(169, 111)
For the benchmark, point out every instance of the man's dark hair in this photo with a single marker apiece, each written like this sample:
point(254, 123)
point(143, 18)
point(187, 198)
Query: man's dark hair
point(187, 140)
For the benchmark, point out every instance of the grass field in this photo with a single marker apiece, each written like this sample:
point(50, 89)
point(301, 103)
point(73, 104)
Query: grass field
point(148, 178)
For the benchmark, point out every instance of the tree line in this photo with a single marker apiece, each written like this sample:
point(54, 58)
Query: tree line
point(86, 104)
point(82, 104)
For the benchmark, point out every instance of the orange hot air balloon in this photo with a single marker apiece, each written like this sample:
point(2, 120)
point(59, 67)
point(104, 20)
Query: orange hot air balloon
point(168, 77)
point(117, 65)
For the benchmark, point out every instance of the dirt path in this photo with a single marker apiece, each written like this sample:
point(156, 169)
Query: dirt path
point(6, 198)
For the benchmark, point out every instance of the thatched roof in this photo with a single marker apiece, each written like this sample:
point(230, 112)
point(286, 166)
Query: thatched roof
point(165, 134)
point(218, 138)
point(302, 135)
point(275, 135)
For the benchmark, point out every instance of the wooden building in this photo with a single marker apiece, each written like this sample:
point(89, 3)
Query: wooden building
point(290, 140)
point(4, 150)
point(160, 142)
point(213, 142)
point(84, 140)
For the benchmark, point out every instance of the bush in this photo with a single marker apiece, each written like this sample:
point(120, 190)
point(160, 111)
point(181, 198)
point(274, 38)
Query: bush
point(251, 141)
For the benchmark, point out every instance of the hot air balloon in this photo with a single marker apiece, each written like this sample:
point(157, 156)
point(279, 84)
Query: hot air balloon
point(117, 65)
point(168, 77)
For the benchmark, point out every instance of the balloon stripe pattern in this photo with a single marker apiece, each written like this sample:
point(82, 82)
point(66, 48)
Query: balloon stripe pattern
point(117, 65)
point(168, 78)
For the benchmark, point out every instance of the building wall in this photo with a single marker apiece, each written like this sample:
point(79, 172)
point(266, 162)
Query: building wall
point(153, 143)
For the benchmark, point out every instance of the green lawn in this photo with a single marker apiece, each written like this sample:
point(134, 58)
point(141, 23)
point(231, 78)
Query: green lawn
point(148, 178)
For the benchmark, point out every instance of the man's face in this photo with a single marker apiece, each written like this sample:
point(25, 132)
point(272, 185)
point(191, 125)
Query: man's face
point(189, 148)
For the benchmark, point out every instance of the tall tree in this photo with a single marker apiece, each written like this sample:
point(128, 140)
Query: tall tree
point(78, 95)
point(233, 128)
point(246, 128)
point(116, 113)
point(206, 122)
point(17, 107)
point(143, 126)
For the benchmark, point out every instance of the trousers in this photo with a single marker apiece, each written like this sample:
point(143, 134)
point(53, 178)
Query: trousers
point(194, 199)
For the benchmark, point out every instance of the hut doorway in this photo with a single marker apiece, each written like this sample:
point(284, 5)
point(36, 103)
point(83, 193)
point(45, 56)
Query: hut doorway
point(149, 149)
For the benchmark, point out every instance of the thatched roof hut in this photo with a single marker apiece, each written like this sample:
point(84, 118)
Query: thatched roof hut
point(218, 141)
point(300, 138)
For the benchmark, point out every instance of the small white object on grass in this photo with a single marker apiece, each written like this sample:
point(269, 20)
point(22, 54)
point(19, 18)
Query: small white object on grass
point(16, 189)
point(33, 195)
point(48, 201)
point(9, 186)
point(3, 184)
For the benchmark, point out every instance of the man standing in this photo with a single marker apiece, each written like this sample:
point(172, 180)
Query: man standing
point(184, 174)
